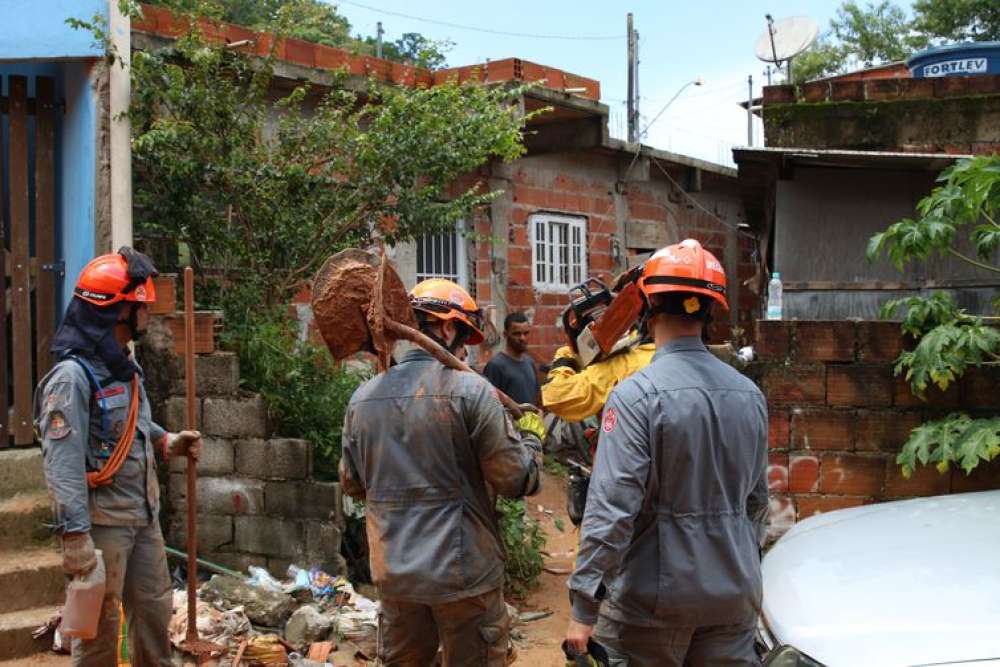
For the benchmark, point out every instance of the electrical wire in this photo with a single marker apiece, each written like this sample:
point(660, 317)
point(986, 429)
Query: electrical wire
point(698, 204)
point(459, 26)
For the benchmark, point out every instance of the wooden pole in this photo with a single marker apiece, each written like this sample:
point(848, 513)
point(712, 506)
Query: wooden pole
point(192, 472)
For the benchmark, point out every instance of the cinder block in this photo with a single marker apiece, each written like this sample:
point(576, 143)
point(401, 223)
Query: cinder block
point(175, 413)
point(779, 94)
point(803, 474)
point(925, 481)
point(815, 91)
point(777, 472)
point(269, 536)
point(278, 458)
point(217, 458)
point(824, 341)
point(795, 384)
point(978, 388)
point(903, 397)
point(779, 428)
point(984, 477)
point(810, 505)
point(215, 532)
point(220, 495)
point(235, 417)
point(852, 475)
point(859, 385)
point(884, 430)
point(879, 341)
point(215, 374)
point(823, 429)
point(239, 562)
point(323, 541)
point(772, 340)
point(842, 91)
point(305, 500)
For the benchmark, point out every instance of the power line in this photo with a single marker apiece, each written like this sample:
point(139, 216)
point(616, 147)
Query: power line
point(459, 26)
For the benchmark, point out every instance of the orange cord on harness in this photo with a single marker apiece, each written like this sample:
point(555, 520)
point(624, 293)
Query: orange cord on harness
point(104, 476)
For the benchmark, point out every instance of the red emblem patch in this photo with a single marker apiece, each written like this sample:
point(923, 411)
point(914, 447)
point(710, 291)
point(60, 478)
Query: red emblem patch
point(610, 420)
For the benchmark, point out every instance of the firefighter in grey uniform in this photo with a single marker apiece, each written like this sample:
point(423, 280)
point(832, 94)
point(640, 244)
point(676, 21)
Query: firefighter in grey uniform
point(427, 448)
point(669, 561)
point(100, 445)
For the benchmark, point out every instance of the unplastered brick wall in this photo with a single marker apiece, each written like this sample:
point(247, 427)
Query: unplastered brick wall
point(838, 418)
point(257, 500)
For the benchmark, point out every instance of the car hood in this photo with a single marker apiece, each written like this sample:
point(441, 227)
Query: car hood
point(912, 582)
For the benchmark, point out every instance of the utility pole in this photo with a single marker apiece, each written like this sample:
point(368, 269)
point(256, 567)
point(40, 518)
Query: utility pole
point(378, 39)
point(631, 110)
point(750, 110)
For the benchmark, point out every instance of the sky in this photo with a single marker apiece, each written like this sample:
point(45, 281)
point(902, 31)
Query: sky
point(679, 42)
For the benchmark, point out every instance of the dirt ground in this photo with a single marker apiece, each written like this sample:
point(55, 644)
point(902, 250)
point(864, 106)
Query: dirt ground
point(540, 646)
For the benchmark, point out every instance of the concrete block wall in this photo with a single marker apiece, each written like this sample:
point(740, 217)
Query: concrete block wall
point(257, 500)
point(838, 418)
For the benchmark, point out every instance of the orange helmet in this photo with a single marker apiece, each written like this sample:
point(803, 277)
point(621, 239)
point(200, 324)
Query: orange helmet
point(105, 281)
point(446, 300)
point(684, 267)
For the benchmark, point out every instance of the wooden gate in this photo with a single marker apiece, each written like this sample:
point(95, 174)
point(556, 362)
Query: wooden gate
point(27, 176)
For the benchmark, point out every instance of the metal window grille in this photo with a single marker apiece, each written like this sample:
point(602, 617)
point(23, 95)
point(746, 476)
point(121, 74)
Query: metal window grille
point(442, 256)
point(559, 255)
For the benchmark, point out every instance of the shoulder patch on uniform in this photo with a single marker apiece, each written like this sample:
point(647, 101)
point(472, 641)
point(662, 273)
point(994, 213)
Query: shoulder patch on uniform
point(57, 428)
point(610, 420)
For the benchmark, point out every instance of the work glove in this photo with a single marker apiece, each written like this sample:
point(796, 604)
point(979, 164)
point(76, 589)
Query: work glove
point(565, 358)
point(531, 422)
point(184, 443)
point(79, 557)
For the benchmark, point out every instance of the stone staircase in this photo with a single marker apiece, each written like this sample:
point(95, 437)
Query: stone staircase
point(31, 578)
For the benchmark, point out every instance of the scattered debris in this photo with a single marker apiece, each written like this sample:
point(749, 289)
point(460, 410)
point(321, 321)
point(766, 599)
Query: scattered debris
point(320, 651)
point(214, 625)
point(263, 606)
point(529, 616)
point(266, 650)
point(306, 626)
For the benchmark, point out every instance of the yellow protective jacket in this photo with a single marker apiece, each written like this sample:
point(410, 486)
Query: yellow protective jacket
point(576, 395)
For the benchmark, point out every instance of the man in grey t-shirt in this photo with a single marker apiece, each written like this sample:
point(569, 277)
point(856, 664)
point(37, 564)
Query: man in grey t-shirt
point(512, 370)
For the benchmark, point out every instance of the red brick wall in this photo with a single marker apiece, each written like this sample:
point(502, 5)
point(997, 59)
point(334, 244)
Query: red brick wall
point(587, 189)
point(838, 418)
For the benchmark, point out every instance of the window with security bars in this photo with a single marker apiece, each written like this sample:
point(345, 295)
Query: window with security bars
point(442, 256)
point(558, 251)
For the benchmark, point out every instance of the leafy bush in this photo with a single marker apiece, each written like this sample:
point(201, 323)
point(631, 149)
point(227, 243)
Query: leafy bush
point(523, 540)
point(306, 391)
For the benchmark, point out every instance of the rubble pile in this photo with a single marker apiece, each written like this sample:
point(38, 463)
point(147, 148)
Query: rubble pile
point(308, 620)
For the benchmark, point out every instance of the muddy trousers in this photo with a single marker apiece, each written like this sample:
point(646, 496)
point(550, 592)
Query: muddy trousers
point(137, 577)
point(471, 633)
point(705, 646)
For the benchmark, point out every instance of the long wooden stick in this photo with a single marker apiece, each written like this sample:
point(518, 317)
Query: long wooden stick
point(403, 332)
point(192, 472)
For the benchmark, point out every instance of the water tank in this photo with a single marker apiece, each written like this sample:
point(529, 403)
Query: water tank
point(956, 60)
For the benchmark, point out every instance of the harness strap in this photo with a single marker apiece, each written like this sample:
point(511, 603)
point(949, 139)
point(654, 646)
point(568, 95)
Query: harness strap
point(114, 463)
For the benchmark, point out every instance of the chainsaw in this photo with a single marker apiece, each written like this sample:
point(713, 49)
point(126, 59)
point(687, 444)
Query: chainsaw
point(596, 320)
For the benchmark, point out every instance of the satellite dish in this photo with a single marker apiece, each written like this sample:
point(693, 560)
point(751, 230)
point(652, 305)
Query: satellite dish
point(786, 38)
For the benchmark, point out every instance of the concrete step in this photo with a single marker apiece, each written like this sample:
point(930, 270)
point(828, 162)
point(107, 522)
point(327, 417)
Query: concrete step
point(15, 632)
point(31, 578)
point(21, 471)
point(22, 521)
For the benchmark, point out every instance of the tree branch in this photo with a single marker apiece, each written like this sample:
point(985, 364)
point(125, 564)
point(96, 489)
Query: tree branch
point(973, 262)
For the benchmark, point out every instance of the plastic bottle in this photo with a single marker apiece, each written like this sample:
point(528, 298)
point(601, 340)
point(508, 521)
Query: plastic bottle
point(774, 297)
point(84, 599)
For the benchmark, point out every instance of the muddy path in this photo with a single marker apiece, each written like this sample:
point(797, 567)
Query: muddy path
point(540, 643)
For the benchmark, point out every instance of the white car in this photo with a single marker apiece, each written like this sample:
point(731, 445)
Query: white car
point(899, 584)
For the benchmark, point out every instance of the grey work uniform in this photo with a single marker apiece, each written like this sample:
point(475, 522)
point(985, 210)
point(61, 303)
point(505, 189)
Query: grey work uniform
point(427, 447)
point(78, 437)
point(676, 514)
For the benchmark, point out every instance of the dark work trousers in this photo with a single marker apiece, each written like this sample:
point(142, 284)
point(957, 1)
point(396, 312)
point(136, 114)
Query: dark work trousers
point(471, 632)
point(706, 646)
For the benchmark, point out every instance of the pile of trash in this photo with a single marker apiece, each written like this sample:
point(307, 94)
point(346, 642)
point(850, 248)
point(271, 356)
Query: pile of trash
point(308, 620)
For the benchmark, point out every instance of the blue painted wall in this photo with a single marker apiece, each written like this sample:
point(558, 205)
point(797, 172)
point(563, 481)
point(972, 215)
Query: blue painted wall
point(37, 30)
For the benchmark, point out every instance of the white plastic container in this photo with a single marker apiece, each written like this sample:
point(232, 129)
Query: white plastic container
point(84, 599)
point(774, 297)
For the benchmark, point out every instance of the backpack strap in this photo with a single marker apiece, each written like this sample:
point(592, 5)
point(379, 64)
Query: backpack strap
point(114, 463)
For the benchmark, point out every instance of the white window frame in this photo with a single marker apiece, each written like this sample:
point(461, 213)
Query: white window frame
point(549, 273)
point(434, 255)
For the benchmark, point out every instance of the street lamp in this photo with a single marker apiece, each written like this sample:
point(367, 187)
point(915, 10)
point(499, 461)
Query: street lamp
point(696, 82)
